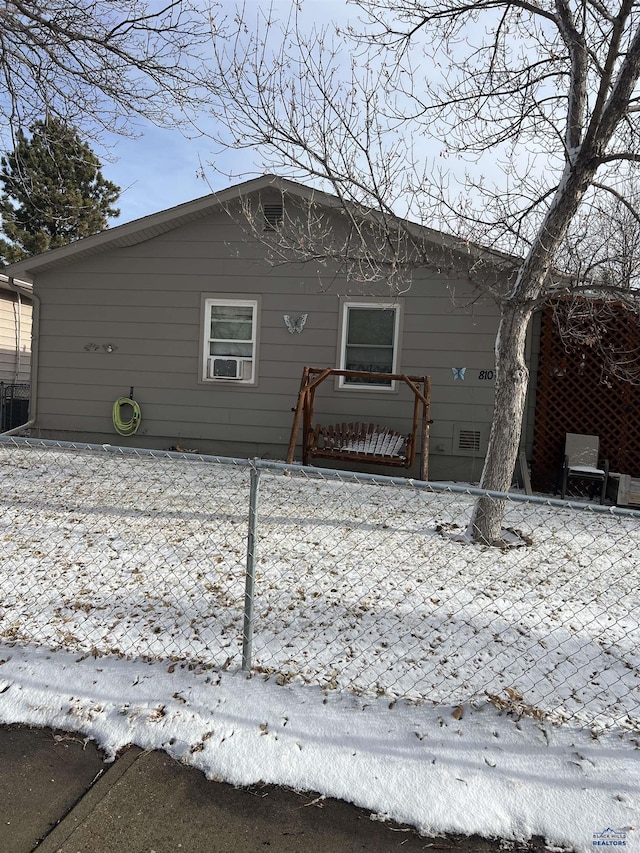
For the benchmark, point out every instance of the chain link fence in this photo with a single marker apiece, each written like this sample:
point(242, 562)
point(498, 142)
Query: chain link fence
point(342, 580)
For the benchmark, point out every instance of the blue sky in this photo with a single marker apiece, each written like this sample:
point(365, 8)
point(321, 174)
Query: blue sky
point(161, 168)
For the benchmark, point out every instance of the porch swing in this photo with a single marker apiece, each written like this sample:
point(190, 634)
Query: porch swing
point(368, 443)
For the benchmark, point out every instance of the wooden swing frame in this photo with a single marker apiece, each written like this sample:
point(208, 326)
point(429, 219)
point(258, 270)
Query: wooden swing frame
point(361, 442)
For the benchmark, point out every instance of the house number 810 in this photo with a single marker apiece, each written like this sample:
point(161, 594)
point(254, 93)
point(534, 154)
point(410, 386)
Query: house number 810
point(486, 374)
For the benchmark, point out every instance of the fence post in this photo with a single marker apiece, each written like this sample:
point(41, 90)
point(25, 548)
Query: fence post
point(250, 575)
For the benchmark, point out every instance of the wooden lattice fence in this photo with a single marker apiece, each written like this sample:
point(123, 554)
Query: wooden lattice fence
point(587, 382)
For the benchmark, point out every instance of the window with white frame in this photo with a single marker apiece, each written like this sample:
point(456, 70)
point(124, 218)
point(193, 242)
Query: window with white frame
point(369, 341)
point(230, 335)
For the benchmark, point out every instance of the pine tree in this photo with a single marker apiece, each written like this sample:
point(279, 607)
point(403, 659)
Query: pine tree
point(54, 192)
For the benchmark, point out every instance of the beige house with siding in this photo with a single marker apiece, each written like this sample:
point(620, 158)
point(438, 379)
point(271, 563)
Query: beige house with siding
point(185, 308)
point(15, 352)
point(15, 333)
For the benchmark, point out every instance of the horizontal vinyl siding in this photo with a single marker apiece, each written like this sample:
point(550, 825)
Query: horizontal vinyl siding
point(15, 339)
point(152, 434)
point(101, 384)
point(122, 268)
point(186, 399)
point(168, 415)
point(114, 316)
point(145, 302)
point(139, 338)
point(446, 358)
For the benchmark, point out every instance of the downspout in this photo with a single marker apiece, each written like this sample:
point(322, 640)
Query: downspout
point(17, 321)
point(35, 335)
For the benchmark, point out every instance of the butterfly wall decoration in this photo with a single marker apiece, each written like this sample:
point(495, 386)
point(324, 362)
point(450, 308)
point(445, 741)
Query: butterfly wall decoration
point(295, 326)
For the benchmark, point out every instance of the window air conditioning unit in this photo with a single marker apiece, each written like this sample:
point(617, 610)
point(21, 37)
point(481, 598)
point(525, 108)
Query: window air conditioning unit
point(222, 367)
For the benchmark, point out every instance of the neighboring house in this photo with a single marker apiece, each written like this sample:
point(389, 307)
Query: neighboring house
point(15, 332)
point(15, 352)
point(184, 308)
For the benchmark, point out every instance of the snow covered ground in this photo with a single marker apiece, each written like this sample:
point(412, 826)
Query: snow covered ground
point(456, 688)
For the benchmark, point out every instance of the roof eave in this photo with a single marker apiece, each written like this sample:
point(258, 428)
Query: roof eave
point(156, 224)
point(138, 230)
point(7, 284)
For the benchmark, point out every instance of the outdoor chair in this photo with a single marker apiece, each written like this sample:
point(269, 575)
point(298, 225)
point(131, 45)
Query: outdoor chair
point(581, 462)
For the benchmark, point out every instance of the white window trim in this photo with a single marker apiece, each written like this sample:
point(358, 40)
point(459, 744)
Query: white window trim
point(342, 355)
point(206, 331)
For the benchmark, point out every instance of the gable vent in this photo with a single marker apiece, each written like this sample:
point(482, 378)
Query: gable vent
point(273, 216)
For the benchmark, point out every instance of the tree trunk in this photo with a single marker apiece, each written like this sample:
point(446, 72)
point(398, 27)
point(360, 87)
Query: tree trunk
point(512, 379)
point(512, 373)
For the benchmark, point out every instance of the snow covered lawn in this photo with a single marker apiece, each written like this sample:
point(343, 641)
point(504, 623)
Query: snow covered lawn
point(358, 586)
point(362, 597)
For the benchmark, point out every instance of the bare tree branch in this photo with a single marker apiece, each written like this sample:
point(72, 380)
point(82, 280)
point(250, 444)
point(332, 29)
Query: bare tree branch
point(631, 208)
point(541, 89)
point(96, 64)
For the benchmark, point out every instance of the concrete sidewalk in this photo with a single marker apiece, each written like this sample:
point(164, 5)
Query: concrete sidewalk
point(57, 796)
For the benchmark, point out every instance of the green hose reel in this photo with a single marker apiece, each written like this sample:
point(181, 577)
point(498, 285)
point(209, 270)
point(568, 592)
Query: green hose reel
point(122, 424)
